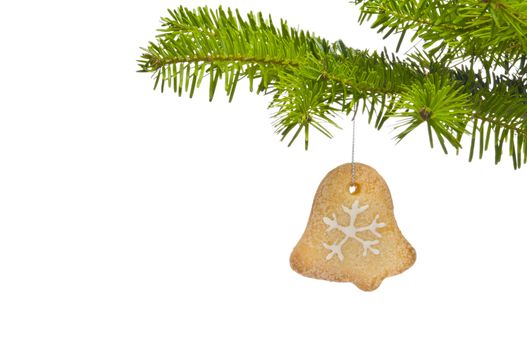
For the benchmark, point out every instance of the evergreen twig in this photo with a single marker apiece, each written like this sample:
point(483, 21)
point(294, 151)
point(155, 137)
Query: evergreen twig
point(311, 79)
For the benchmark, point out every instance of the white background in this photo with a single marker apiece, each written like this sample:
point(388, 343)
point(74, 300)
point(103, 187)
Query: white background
point(131, 219)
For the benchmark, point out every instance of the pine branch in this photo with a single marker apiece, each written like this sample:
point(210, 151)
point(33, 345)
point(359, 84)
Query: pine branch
point(492, 31)
point(311, 80)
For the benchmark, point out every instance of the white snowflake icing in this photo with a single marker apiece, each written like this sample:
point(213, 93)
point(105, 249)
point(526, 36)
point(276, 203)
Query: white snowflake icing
point(351, 231)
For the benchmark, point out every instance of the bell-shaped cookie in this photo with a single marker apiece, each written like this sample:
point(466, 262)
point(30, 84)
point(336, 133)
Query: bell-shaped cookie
point(352, 236)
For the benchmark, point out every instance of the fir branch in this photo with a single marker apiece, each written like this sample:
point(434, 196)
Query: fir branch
point(311, 80)
point(491, 31)
point(439, 104)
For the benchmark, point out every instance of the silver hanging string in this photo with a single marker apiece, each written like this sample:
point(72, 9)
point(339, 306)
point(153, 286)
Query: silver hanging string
point(353, 171)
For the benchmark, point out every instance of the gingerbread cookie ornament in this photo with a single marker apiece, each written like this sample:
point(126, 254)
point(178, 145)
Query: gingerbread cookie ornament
point(352, 236)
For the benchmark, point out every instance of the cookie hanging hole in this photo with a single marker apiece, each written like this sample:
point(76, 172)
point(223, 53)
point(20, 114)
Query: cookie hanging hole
point(354, 189)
